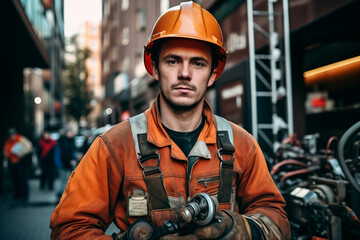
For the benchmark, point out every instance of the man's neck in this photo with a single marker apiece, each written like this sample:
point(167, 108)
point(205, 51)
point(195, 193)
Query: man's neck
point(181, 121)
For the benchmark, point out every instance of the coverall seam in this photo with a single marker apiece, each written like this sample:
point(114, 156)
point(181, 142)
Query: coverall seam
point(111, 151)
point(116, 160)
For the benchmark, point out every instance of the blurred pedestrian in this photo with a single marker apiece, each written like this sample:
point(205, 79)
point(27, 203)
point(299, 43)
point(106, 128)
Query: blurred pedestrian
point(47, 163)
point(67, 155)
point(17, 150)
point(86, 144)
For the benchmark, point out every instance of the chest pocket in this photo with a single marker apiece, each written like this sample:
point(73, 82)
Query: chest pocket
point(149, 160)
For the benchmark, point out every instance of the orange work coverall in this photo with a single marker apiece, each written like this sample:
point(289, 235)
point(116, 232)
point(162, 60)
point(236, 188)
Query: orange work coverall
point(98, 190)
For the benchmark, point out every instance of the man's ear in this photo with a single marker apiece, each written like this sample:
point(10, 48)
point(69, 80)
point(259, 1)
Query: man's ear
point(212, 78)
point(154, 70)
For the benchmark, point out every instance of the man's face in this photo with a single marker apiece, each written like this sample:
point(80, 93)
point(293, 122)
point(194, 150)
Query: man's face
point(70, 134)
point(46, 135)
point(184, 72)
point(13, 136)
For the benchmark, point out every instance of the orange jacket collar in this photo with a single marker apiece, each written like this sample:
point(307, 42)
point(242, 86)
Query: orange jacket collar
point(157, 134)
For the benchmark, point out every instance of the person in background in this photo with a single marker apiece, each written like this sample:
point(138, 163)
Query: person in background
point(18, 150)
point(66, 153)
point(138, 173)
point(86, 144)
point(46, 147)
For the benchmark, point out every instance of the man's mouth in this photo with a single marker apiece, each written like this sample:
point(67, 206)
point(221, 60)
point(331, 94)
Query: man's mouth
point(183, 88)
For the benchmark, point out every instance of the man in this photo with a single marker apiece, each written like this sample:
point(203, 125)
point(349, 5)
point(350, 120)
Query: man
point(17, 150)
point(66, 152)
point(142, 170)
point(46, 147)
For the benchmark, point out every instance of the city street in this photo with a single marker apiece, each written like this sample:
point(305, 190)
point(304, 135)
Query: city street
point(274, 84)
point(30, 221)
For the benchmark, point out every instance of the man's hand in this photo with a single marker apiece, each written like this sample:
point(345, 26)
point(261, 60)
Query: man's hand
point(227, 226)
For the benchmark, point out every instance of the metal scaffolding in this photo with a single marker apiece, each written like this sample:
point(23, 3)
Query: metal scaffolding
point(270, 75)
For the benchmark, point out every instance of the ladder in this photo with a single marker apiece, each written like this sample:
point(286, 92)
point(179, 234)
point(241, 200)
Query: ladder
point(270, 76)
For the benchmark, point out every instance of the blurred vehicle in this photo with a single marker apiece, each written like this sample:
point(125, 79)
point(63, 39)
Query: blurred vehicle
point(97, 131)
point(79, 141)
point(83, 142)
point(55, 135)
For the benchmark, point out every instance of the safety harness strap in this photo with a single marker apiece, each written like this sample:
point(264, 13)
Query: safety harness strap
point(145, 151)
point(152, 173)
point(226, 150)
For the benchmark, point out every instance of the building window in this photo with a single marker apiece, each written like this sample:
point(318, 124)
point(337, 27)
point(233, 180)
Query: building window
point(106, 40)
point(138, 58)
point(125, 36)
point(139, 70)
point(93, 78)
point(126, 64)
point(114, 53)
point(94, 30)
point(125, 5)
point(115, 22)
point(106, 8)
point(140, 19)
point(164, 5)
point(94, 46)
point(106, 67)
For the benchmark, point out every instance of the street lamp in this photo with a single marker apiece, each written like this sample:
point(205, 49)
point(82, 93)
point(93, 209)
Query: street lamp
point(108, 111)
point(37, 100)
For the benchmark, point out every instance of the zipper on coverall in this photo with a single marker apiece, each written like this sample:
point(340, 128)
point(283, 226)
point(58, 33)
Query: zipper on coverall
point(189, 178)
point(205, 181)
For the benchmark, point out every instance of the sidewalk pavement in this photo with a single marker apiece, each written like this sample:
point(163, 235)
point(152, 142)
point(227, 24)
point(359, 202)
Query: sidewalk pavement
point(29, 221)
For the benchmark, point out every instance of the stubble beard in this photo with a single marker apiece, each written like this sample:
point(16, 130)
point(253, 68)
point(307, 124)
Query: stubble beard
point(179, 108)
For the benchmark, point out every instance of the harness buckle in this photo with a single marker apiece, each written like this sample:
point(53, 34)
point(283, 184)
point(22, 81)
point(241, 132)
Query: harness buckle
point(148, 170)
point(220, 153)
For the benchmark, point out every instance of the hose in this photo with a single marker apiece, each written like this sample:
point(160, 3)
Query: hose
point(342, 162)
point(299, 172)
point(277, 166)
point(330, 141)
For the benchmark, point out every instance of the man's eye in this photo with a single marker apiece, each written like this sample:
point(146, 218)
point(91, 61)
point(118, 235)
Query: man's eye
point(172, 61)
point(199, 64)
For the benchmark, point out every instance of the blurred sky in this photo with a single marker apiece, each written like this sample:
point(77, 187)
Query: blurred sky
point(80, 11)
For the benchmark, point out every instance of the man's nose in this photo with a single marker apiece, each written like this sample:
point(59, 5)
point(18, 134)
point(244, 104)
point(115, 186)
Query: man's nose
point(185, 71)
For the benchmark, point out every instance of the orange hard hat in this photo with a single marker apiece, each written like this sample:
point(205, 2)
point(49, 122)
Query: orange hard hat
point(187, 20)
